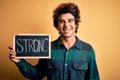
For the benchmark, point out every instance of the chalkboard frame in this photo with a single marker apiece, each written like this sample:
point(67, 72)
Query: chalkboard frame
point(31, 35)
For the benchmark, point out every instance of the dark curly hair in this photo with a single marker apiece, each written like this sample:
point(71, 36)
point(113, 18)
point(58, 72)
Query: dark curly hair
point(66, 8)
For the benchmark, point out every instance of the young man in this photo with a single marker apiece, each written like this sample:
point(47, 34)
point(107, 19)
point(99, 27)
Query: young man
point(71, 58)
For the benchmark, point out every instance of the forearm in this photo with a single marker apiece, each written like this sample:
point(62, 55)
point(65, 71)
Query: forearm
point(29, 71)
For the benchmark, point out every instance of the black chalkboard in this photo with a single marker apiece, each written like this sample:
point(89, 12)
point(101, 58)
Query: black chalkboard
point(32, 45)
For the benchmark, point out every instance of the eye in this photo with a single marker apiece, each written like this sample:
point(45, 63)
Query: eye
point(71, 20)
point(61, 21)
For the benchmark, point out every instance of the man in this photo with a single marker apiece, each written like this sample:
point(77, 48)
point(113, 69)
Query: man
point(71, 58)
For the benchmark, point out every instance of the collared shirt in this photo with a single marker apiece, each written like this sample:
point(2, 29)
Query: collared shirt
point(76, 63)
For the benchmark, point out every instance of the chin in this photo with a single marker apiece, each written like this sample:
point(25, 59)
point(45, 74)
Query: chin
point(66, 36)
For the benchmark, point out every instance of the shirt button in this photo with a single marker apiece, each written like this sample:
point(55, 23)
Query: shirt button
point(65, 64)
point(66, 52)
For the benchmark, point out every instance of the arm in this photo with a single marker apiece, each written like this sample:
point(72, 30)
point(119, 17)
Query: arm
point(29, 71)
point(32, 72)
point(92, 72)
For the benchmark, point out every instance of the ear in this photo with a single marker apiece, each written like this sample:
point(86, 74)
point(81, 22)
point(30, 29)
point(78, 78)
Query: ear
point(76, 29)
point(57, 28)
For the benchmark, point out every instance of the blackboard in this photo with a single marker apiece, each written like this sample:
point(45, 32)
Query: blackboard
point(32, 45)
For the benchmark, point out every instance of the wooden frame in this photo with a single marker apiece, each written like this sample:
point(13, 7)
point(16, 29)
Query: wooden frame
point(32, 45)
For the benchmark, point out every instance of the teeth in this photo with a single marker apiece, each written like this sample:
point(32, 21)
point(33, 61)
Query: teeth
point(66, 30)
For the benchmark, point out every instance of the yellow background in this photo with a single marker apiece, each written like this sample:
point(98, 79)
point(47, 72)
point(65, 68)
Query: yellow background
point(100, 27)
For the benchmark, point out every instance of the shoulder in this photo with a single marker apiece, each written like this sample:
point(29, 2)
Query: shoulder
point(54, 43)
point(85, 45)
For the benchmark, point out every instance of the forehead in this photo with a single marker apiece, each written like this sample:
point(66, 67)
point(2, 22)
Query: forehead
point(66, 16)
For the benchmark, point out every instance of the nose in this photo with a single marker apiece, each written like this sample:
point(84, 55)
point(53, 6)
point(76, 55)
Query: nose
point(66, 24)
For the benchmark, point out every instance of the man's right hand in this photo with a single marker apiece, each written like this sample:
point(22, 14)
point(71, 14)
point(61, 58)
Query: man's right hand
point(12, 55)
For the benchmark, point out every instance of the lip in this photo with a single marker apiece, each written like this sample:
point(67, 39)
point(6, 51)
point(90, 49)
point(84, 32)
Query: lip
point(66, 30)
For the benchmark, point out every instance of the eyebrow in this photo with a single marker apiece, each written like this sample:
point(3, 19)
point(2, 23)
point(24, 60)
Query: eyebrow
point(67, 19)
point(71, 19)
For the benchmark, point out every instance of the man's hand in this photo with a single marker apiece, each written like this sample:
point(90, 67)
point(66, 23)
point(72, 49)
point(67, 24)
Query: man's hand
point(12, 55)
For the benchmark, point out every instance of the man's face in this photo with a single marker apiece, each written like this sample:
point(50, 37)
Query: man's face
point(66, 25)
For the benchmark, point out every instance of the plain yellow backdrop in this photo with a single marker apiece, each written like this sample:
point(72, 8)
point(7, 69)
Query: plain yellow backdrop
point(100, 27)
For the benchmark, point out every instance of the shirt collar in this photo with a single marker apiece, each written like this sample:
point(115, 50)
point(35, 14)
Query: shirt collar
point(59, 43)
point(76, 45)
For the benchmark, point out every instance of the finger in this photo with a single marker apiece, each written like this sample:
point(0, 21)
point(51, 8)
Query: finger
point(10, 47)
point(12, 53)
point(12, 57)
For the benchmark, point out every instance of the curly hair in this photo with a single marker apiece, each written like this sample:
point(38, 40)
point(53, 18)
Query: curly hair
point(66, 8)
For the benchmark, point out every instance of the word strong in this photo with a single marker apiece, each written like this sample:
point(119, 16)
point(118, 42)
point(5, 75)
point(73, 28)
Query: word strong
point(32, 46)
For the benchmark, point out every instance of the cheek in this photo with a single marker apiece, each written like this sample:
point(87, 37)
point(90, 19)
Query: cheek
point(58, 28)
point(73, 25)
point(60, 25)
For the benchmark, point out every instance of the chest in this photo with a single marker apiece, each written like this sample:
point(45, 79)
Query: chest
point(69, 58)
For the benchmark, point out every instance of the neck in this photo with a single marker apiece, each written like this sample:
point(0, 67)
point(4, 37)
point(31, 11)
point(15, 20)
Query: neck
point(68, 42)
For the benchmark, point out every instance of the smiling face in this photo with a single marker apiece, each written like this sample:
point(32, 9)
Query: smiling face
point(66, 25)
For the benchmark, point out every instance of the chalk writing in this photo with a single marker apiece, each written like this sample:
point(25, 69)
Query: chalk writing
point(32, 45)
